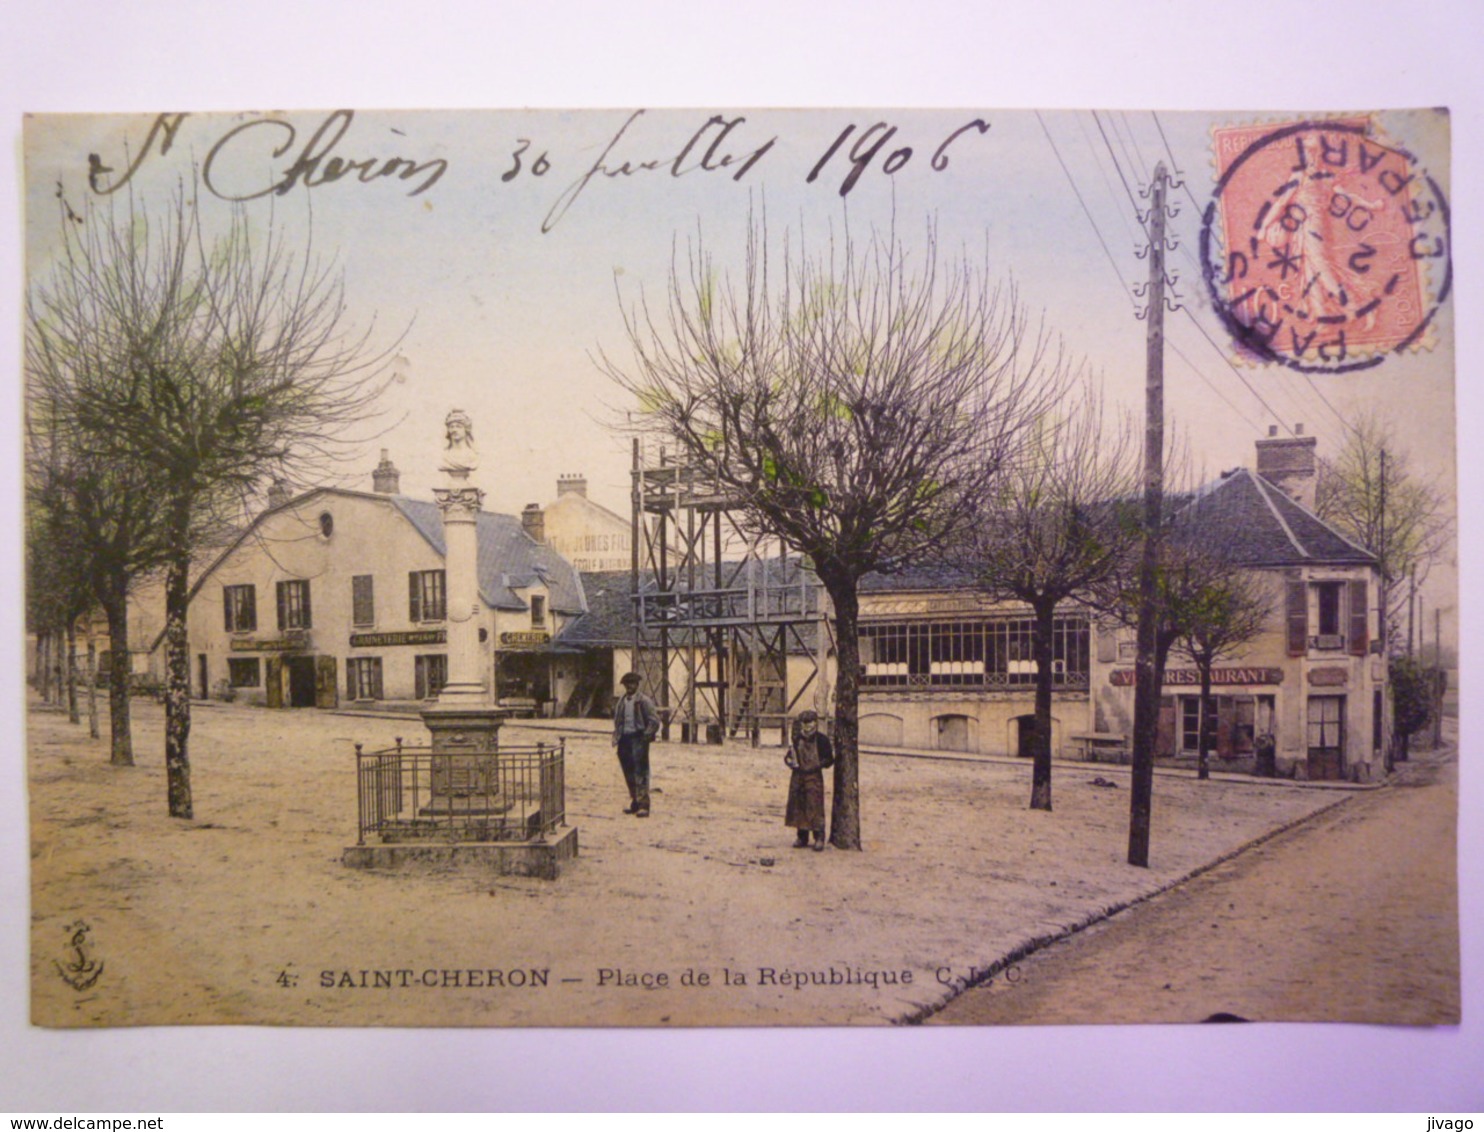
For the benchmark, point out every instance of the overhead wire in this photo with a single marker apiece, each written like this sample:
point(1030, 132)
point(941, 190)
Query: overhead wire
point(1112, 262)
point(1118, 166)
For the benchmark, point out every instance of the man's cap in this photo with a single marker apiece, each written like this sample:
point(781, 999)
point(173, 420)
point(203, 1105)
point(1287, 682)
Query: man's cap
point(630, 678)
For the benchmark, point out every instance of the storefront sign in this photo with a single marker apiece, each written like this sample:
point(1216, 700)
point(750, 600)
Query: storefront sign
point(1124, 677)
point(1329, 677)
point(388, 640)
point(528, 637)
point(279, 644)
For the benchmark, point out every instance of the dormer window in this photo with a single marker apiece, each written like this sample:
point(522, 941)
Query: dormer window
point(538, 611)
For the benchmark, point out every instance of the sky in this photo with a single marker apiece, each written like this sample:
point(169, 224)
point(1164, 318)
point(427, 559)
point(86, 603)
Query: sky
point(495, 264)
point(506, 320)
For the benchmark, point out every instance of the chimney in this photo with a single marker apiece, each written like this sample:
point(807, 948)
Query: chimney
point(279, 494)
point(577, 484)
point(385, 479)
point(533, 520)
point(1288, 463)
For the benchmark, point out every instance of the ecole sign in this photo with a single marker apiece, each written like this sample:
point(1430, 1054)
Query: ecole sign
point(525, 637)
point(1124, 677)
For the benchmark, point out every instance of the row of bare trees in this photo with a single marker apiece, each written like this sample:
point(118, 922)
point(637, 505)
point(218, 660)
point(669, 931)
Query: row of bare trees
point(878, 411)
point(170, 374)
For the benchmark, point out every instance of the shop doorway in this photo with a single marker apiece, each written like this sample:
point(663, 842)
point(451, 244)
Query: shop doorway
point(1326, 737)
point(301, 680)
point(1025, 736)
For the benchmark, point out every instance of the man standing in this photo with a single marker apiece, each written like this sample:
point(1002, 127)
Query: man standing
point(635, 722)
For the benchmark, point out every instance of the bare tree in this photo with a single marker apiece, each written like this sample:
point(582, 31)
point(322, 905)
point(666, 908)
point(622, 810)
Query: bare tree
point(856, 404)
point(95, 521)
point(204, 366)
point(1370, 493)
point(58, 595)
point(1215, 609)
point(1058, 524)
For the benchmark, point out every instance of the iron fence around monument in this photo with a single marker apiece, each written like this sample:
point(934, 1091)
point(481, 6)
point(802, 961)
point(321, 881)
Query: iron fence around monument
point(406, 794)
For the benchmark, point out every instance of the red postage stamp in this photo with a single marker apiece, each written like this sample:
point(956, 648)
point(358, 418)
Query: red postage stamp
point(1324, 248)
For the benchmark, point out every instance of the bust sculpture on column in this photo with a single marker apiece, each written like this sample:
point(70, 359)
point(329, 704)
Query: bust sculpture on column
point(460, 457)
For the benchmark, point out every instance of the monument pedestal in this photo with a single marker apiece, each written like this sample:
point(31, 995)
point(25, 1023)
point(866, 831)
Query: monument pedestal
point(466, 770)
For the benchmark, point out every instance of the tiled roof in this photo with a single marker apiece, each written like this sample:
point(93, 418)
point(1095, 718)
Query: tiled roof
point(912, 578)
point(609, 620)
point(509, 559)
point(1250, 522)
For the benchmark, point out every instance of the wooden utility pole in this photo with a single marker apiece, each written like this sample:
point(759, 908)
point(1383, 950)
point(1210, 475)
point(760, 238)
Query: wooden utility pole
point(1382, 628)
point(1440, 680)
point(1411, 609)
point(1147, 678)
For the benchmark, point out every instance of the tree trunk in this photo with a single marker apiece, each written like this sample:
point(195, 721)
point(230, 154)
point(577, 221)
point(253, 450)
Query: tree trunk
point(845, 811)
point(43, 665)
point(1041, 740)
point(116, 609)
point(1203, 741)
point(1150, 681)
point(177, 688)
point(92, 673)
point(70, 677)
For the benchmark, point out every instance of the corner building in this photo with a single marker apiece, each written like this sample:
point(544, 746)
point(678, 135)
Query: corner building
point(945, 668)
point(338, 597)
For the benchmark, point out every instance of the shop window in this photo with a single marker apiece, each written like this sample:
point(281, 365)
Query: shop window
point(293, 605)
point(363, 678)
point(425, 596)
point(241, 608)
point(1234, 722)
point(431, 673)
point(965, 653)
point(244, 672)
point(362, 600)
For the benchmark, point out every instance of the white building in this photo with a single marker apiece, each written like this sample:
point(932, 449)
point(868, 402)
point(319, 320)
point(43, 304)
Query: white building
point(338, 597)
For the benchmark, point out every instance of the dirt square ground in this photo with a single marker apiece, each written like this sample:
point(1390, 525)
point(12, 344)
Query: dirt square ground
point(701, 915)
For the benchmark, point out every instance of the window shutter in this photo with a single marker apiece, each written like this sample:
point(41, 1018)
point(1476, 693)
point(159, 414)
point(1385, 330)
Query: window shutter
point(249, 611)
point(1298, 617)
point(376, 678)
point(308, 622)
point(283, 613)
point(350, 678)
point(1226, 710)
point(1359, 618)
point(414, 610)
point(1164, 733)
point(227, 621)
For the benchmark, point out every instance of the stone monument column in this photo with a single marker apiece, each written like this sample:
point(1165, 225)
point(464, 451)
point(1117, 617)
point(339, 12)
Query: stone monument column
point(464, 720)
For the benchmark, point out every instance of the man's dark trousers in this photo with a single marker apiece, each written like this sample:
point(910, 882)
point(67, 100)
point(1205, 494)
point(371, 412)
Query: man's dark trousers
point(633, 756)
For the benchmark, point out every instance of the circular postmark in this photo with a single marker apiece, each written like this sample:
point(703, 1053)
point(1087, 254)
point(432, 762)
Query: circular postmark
point(1323, 249)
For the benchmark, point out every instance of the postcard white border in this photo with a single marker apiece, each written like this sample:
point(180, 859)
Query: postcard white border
point(1031, 53)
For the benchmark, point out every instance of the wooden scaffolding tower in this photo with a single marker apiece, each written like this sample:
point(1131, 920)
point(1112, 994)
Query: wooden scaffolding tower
point(731, 632)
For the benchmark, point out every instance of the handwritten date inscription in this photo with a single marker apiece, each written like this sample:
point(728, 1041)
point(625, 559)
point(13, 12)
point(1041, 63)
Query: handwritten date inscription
point(725, 145)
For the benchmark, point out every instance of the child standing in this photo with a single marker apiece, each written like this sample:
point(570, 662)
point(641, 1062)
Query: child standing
point(808, 756)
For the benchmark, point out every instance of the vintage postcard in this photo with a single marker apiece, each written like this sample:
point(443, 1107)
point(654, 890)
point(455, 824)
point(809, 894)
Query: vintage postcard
point(732, 567)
